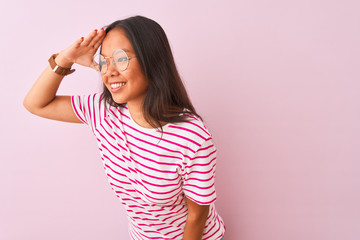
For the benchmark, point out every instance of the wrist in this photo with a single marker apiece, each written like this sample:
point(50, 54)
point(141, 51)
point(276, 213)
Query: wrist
point(63, 62)
point(62, 66)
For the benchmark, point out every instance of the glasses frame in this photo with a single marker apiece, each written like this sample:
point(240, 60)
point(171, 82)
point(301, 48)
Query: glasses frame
point(112, 60)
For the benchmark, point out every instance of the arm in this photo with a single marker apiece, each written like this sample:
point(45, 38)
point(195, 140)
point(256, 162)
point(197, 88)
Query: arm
point(196, 219)
point(42, 100)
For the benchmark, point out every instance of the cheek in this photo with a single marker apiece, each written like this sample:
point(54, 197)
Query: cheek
point(144, 83)
point(141, 85)
point(137, 79)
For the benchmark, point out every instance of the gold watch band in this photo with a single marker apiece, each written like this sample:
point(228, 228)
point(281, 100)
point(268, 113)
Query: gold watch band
point(58, 69)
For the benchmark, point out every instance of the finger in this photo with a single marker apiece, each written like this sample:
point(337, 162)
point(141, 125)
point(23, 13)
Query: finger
point(97, 45)
point(78, 42)
point(89, 38)
point(100, 40)
point(97, 38)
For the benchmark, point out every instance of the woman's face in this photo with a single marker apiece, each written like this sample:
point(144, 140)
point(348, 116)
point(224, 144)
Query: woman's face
point(136, 84)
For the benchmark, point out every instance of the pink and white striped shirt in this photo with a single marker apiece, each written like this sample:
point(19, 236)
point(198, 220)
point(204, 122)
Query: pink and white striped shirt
point(150, 173)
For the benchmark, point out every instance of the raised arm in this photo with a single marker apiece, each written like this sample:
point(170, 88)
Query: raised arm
point(42, 100)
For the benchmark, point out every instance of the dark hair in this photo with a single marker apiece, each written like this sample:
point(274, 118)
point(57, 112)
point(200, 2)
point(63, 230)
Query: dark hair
point(166, 96)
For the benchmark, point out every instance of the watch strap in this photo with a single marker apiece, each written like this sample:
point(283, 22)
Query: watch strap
point(58, 69)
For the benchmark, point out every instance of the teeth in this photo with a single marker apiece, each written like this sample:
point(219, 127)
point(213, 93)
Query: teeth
point(116, 85)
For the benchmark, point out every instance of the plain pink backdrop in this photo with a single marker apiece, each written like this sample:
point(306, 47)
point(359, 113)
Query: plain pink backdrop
point(276, 81)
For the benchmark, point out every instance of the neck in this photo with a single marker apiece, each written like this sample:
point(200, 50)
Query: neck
point(137, 114)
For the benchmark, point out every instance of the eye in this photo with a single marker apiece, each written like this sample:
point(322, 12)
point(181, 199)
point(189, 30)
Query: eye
point(122, 59)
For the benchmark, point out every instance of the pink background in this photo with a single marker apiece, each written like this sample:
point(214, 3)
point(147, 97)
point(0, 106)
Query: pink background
point(276, 81)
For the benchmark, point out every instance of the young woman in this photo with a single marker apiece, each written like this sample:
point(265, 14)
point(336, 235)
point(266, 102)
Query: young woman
point(157, 154)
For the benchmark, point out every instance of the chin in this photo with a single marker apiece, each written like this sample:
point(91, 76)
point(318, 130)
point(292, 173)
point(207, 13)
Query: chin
point(118, 100)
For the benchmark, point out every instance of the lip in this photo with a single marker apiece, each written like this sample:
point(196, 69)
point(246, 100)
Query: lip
point(114, 90)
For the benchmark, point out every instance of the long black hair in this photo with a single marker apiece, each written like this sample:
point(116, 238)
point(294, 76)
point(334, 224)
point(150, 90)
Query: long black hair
point(166, 97)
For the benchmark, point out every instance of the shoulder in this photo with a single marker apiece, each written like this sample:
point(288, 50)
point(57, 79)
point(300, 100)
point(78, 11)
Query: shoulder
point(96, 97)
point(89, 98)
point(193, 129)
point(198, 125)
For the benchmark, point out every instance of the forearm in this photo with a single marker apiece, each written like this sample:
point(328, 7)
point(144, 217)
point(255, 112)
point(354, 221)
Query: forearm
point(44, 89)
point(194, 228)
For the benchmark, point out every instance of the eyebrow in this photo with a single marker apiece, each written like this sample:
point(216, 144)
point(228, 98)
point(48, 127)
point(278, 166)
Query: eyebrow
point(125, 50)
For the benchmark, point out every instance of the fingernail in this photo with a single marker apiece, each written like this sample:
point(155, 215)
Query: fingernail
point(102, 29)
point(82, 38)
point(95, 30)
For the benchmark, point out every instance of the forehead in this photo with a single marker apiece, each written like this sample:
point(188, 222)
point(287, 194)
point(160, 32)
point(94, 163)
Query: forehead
point(115, 39)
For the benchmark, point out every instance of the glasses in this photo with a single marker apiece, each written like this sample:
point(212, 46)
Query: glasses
point(119, 59)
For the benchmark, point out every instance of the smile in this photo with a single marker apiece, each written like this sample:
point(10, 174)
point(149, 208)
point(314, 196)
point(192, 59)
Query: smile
point(117, 86)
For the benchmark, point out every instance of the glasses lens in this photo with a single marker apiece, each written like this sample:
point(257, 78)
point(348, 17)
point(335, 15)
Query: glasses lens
point(121, 59)
point(100, 63)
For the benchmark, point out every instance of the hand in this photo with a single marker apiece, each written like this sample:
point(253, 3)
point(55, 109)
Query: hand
point(82, 50)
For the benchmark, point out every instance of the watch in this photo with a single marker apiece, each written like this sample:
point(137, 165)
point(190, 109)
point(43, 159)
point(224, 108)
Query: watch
point(58, 69)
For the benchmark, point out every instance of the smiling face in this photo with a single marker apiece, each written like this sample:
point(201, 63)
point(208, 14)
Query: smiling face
point(129, 85)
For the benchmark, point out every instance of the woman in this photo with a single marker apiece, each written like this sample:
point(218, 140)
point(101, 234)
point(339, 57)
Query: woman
point(157, 154)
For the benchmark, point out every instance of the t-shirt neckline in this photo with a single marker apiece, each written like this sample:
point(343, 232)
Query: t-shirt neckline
point(136, 125)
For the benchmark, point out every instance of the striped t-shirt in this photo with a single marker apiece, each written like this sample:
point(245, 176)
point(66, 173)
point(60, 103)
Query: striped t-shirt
point(151, 173)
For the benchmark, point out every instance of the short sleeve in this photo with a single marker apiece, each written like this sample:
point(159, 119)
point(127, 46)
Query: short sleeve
point(199, 174)
point(86, 108)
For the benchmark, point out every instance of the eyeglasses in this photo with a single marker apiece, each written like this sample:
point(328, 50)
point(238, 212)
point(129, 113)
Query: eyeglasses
point(119, 59)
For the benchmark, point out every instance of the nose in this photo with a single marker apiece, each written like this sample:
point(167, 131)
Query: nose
point(111, 69)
